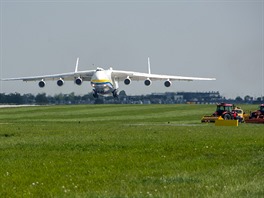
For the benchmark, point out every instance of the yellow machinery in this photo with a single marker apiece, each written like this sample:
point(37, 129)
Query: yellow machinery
point(222, 122)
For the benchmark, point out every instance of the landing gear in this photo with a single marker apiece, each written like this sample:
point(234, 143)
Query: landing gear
point(95, 94)
point(115, 95)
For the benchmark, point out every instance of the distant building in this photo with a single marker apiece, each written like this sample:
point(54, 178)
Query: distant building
point(199, 97)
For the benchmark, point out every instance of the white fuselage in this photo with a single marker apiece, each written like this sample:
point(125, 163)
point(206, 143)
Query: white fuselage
point(102, 82)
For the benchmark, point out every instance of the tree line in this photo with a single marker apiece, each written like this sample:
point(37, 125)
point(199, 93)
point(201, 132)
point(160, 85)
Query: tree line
point(42, 98)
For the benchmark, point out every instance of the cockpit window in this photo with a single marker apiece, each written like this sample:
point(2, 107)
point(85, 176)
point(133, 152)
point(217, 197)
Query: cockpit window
point(99, 69)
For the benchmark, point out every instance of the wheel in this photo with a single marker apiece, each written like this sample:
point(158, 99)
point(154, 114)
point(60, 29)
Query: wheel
point(227, 117)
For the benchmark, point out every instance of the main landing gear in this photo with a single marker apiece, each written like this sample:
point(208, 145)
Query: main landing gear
point(115, 95)
point(95, 94)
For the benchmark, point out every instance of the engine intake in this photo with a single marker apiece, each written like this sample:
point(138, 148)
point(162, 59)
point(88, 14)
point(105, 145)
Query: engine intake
point(127, 81)
point(41, 84)
point(167, 83)
point(147, 82)
point(60, 82)
point(78, 81)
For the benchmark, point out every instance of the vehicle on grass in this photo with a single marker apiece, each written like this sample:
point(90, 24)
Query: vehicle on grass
point(241, 115)
point(225, 111)
point(256, 116)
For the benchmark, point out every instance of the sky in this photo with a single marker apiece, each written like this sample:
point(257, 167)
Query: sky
point(199, 38)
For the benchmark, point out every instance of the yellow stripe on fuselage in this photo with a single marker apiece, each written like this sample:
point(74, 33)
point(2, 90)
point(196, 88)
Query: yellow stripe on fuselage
point(101, 81)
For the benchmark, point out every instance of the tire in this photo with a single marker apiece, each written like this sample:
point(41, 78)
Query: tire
point(227, 117)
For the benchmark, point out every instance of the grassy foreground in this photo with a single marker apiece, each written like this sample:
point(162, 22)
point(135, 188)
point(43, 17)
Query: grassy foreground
point(127, 151)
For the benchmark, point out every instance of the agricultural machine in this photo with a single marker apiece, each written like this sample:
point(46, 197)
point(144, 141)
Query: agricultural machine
point(226, 112)
point(256, 116)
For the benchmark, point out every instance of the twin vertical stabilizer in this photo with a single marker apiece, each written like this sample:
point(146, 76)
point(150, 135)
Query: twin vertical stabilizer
point(149, 66)
point(77, 64)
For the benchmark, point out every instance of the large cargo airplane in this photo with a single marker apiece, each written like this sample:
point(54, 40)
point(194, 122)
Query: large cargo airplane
point(105, 82)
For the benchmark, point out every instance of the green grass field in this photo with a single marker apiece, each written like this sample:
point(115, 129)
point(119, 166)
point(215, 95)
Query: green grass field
point(127, 151)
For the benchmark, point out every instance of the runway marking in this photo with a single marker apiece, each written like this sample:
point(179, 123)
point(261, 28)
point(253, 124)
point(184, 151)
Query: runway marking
point(12, 106)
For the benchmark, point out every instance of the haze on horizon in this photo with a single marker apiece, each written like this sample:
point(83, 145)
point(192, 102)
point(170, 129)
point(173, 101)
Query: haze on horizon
point(189, 38)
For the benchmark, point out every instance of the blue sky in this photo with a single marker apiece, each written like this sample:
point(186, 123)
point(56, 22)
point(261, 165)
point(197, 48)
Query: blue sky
point(222, 39)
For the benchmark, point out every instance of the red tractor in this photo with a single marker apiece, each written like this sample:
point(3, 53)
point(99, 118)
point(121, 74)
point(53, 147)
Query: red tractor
point(226, 111)
point(256, 116)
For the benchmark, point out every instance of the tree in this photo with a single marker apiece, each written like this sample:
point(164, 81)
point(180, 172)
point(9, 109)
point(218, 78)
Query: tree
point(238, 99)
point(248, 98)
point(14, 98)
point(41, 99)
point(2, 98)
point(71, 98)
point(59, 98)
point(28, 99)
point(260, 99)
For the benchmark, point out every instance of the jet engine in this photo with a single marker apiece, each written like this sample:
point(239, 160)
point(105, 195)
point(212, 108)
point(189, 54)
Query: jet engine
point(167, 83)
point(42, 83)
point(127, 81)
point(147, 82)
point(60, 82)
point(78, 81)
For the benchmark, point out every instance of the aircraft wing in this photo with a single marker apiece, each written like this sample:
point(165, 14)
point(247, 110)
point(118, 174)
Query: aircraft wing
point(85, 75)
point(122, 75)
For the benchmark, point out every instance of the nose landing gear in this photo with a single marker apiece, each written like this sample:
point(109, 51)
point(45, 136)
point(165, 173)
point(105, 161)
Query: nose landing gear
point(95, 93)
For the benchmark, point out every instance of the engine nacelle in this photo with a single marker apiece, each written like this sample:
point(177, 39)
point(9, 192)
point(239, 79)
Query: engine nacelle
point(78, 81)
point(127, 81)
point(167, 83)
point(41, 84)
point(147, 82)
point(60, 82)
